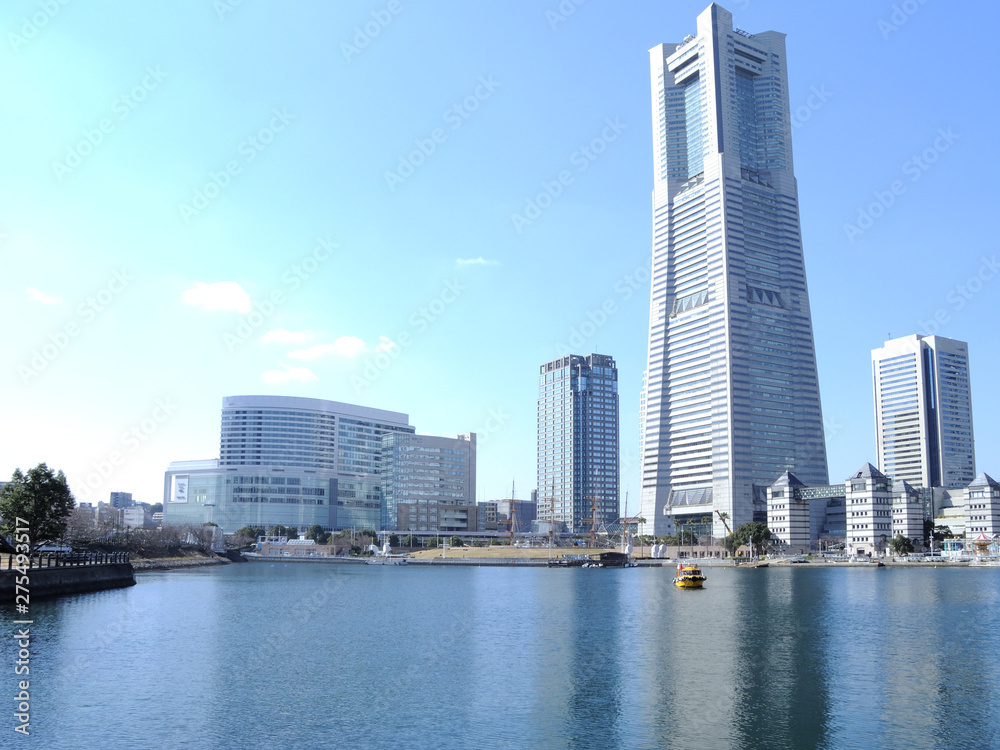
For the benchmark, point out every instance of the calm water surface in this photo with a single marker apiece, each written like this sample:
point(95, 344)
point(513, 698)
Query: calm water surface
point(312, 656)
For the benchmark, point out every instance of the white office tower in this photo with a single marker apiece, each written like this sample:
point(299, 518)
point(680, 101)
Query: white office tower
point(732, 397)
point(923, 411)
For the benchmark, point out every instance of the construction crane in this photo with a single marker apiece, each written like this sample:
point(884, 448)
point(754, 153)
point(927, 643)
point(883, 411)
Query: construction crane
point(722, 517)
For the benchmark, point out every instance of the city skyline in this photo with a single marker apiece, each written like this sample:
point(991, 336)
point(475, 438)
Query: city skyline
point(335, 203)
point(731, 395)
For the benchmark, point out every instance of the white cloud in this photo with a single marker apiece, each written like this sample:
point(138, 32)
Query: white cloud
point(222, 295)
point(480, 261)
point(287, 375)
point(38, 296)
point(313, 352)
point(284, 336)
point(345, 346)
point(349, 346)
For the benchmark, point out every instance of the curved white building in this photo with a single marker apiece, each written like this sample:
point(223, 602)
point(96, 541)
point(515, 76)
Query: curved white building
point(290, 461)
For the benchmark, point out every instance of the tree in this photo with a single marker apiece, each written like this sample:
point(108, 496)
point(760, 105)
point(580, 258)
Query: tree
point(315, 532)
point(39, 501)
point(286, 531)
point(900, 545)
point(757, 535)
point(393, 540)
point(411, 541)
point(456, 542)
point(80, 527)
point(246, 536)
point(156, 508)
point(730, 544)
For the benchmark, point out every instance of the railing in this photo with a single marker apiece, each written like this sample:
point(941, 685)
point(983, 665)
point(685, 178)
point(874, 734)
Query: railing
point(65, 559)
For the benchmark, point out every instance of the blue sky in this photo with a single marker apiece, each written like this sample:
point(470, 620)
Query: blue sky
point(201, 199)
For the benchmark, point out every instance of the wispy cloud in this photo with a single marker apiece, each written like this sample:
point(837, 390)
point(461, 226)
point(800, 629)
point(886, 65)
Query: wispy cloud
point(221, 295)
point(284, 336)
point(42, 297)
point(480, 261)
point(288, 375)
point(345, 346)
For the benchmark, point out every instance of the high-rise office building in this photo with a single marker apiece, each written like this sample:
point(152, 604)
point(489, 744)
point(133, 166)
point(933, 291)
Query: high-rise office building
point(429, 482)
point(732, 395)
point(121, 500)
point(578, 459)
point(923, 411)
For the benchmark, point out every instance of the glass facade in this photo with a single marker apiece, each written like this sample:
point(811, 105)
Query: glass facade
point(923, 411)
point(731, 393)
point(427, 473)
point(290, 461)
point(578, 451)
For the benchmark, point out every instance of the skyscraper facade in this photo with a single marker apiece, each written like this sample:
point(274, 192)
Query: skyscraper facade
point(732, 394)
point(578, 466)
point(923, 411)
point(429, 482)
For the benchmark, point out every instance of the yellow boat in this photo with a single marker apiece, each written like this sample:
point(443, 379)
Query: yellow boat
point(688, 577)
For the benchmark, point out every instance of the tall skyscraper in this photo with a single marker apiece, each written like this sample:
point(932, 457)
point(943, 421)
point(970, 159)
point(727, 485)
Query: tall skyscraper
point(578, 462)
point(923, 411)
point(732, 395)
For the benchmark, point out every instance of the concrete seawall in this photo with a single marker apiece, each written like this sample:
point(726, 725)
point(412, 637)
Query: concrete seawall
point(46, 582)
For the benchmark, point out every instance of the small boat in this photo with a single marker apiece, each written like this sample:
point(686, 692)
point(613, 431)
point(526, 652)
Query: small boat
point(387, 560)
point(688, 577)
point(384, 556)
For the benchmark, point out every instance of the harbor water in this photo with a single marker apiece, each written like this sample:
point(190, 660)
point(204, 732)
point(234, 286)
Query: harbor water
point(342, 656)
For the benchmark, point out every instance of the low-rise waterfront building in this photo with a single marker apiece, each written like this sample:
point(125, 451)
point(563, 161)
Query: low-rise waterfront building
point(869, 511)
point(982, 507)
point(788, 513)
point(907, 513)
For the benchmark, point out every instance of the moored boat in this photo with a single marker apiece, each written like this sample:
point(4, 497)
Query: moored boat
point(688, 577)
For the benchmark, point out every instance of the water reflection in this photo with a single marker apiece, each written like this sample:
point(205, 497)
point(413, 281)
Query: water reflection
point(345, 656)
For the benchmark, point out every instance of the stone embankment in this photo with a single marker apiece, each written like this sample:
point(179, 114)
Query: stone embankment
point(47, 575)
